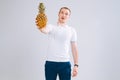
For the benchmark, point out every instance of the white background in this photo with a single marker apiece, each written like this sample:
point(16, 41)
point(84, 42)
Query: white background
point(23, 47)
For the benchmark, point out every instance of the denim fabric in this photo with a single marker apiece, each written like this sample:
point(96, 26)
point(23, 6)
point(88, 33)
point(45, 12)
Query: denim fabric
point(62, 69)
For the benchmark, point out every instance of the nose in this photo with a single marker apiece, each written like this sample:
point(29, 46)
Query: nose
point(64, 15)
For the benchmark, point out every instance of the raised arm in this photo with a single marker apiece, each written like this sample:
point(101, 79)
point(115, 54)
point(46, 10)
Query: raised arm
point(43, 30)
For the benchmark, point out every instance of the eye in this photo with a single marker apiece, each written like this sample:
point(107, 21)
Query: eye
point(66, 13)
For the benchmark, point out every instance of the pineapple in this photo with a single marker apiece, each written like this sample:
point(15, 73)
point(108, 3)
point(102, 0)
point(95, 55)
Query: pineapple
point(41, 19)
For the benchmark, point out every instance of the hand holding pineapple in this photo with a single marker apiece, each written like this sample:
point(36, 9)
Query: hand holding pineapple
point(41, 18)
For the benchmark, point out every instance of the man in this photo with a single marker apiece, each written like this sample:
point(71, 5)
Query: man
point(61, 37)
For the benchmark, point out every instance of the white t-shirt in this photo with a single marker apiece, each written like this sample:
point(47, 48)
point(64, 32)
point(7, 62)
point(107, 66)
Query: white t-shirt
point(60, 38)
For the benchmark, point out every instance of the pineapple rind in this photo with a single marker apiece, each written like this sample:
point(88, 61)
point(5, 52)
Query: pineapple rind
point(41, 17)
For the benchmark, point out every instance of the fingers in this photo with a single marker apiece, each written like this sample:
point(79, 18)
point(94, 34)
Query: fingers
point(75, 72)
point(41, 21)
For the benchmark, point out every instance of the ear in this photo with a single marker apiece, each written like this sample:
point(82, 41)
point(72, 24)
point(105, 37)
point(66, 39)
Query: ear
point(58, 14)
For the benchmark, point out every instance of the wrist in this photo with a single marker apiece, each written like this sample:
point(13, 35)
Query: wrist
point(76, 65)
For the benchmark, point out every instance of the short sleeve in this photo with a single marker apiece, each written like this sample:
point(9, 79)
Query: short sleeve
point(49, 28)
point(74, 35)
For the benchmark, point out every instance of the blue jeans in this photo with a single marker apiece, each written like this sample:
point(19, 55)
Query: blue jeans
point(62, 69)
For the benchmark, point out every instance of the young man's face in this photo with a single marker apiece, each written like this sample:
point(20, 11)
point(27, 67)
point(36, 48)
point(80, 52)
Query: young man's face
point(64, 15)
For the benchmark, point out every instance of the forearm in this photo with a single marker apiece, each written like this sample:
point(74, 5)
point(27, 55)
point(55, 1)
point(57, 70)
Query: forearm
point(75, 52)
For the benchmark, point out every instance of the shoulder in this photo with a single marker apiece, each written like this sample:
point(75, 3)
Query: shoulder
point(51, 25)
point(72, 29)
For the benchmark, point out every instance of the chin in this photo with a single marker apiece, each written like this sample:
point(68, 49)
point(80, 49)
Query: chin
point(62, 21)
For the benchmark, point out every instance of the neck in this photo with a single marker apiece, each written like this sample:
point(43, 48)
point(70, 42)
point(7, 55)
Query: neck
point(61, 23)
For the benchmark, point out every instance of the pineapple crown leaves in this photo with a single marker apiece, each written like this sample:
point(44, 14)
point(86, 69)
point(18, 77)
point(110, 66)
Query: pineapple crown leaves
point(41, 8)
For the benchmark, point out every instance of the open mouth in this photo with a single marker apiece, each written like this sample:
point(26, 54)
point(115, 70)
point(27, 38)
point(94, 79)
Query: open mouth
point(62, 18)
